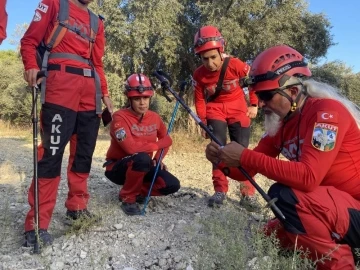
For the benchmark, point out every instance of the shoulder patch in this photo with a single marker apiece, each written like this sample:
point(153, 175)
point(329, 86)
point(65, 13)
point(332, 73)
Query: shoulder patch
point(324, 136)
point(327, 117)
point(120, 134)
point(37, 17)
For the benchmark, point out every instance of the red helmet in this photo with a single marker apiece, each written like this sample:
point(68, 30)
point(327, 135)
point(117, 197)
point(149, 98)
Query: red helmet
point(138, 85)
point(208, 38)
point(274, 66)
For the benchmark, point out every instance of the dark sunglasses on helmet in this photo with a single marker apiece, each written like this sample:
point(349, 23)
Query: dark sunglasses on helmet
point(266, 95)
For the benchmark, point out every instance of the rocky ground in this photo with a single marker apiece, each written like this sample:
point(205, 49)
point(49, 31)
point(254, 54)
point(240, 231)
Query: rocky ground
point(164, 238)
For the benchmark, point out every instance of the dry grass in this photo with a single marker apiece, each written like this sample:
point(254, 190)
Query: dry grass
point(9, 131)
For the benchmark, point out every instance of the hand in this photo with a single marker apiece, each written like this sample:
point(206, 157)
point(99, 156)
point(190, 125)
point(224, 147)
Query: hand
point(162, 165)
point(251, 112)
point(30, 77)
point(212, 152)
point(108, 103)
point(204, 134)
point(230, 154)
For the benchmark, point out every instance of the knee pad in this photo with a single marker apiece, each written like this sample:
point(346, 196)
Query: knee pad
point(141, 162)
point(286, 202)
point(172, 183)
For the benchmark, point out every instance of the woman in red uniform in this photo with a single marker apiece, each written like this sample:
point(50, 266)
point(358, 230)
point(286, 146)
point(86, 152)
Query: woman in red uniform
point(136, 133)
point(225, 108)
point(317, 130)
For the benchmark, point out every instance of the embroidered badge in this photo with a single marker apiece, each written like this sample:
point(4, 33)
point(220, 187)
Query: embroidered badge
point(324, 136)
point(120, 134)
point(37, 17)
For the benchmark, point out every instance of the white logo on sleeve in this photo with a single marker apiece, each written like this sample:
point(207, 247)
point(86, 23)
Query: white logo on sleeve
point(42, 7)
point(37, 17)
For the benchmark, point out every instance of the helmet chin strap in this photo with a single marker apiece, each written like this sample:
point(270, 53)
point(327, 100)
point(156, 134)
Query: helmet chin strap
point(294, 103)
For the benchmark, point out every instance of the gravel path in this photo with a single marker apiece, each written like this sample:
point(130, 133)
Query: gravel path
point(162, 239)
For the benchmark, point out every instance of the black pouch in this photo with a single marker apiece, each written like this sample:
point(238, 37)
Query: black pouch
point(106, 117)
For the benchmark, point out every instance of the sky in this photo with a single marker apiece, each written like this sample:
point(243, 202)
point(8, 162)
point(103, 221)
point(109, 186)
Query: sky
point(343, 15)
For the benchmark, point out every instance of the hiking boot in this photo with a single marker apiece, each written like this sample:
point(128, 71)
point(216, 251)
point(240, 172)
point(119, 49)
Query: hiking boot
point(250, 203)
point(131, 209)
point(45, 238)
point(82, 215)
point(139, 199)
point(217, 199)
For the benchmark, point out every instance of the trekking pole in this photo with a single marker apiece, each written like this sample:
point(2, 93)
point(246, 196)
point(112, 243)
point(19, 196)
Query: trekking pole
point(270, 202)
point(171, 124)
point(35, 93)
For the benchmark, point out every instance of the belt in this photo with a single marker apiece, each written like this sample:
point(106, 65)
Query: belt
point(86, 72)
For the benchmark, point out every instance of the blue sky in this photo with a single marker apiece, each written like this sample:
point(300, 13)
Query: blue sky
point(343, 15)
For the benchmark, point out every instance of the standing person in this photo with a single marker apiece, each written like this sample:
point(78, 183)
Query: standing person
point(70, 104)
point(221, 104)
point(3, 20)
point(317, 130)
point(136, 132)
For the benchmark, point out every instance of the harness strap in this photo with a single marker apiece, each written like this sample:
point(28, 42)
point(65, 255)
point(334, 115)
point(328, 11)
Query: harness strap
point(56, 37)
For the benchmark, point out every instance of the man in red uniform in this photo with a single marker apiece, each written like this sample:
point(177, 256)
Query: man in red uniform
point(225, 108)
point(68, 110)
point(136, 132)
point(317, 129)
point(3, 20)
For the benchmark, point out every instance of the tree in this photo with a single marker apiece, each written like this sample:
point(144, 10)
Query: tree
point(15, 101)
point(339, 75)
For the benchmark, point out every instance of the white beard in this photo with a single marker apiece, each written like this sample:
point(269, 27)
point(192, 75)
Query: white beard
point(272, 124)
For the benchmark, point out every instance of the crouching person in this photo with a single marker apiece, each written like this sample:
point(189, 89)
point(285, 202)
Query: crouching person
point(136, 133)
point(318, 131)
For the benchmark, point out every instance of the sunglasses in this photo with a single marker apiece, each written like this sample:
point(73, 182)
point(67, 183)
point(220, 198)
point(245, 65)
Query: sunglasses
point(266, 95)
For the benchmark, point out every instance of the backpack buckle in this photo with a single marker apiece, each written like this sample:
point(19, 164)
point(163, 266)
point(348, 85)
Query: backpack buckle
point(87, 72)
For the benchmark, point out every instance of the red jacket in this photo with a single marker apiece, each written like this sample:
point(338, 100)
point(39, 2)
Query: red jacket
point(329, 153)
point(3, 20)
point(129, 136)
point(42, 25)
point(205, 82)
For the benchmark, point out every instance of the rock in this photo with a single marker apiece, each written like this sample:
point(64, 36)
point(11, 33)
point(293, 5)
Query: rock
point(171, 228)
point(83, 254)
point(118, 226)
point(136, 242)
point(57, 265)
point(162, 262)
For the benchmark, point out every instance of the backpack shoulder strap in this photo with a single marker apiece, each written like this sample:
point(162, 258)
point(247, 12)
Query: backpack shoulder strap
point(94, 27)
point(59, 30)
point(220, 81)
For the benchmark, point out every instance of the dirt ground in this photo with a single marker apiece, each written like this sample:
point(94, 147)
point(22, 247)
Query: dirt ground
point(158, 240)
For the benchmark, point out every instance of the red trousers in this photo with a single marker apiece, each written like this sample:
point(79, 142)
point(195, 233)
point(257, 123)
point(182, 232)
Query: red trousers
point(322, 213)
point(136, 173)
point(229, 116)
point(67, 115)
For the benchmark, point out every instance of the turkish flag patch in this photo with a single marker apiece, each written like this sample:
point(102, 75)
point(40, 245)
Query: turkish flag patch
point(327, 117)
